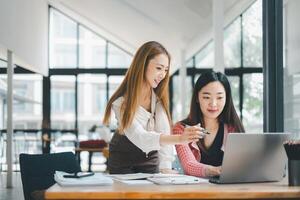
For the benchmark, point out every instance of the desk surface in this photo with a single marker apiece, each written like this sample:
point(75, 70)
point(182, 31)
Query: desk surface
point(274, 190)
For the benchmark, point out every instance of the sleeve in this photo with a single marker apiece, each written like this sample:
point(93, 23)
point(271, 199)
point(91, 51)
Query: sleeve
point(145, 140)
point(166, 157)
point(191, 166)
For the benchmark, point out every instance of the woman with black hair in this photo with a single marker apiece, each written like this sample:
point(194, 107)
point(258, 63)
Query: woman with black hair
point(211, 108)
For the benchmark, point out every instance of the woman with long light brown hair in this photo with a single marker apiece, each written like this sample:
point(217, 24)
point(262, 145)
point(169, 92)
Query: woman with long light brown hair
point(142, 142)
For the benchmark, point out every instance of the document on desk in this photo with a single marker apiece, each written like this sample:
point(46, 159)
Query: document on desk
point(96, 179)
point(142, 176)
point(159, 178)
point(180, 180)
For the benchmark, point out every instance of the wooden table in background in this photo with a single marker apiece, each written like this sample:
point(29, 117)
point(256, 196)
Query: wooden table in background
point(273, 190)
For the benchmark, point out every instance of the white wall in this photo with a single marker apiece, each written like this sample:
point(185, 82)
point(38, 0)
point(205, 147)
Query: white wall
point(24, 30)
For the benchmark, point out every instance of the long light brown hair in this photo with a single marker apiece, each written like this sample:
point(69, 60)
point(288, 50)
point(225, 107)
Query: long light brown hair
point(131, 86)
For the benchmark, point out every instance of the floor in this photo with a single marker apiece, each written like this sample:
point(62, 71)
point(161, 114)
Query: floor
point(15, 193)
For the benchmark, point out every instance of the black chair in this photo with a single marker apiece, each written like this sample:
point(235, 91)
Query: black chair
point(37, 171)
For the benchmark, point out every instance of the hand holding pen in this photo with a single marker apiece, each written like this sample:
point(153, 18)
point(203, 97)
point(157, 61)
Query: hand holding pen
point(197, 127)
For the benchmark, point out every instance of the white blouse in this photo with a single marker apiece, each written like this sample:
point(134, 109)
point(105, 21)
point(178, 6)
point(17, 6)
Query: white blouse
point(146, 128)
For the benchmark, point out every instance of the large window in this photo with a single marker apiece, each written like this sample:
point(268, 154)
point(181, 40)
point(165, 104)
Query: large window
point(243, 67)
point(291, 67)
point(98, 67)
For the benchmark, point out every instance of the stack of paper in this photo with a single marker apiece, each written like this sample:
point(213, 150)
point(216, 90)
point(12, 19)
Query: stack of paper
point(96, 179)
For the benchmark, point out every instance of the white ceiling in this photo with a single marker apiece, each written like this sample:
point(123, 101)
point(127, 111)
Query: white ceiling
point(175, 23)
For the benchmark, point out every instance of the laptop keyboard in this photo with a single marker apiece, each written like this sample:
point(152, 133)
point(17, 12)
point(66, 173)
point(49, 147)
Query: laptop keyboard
point(214, 179)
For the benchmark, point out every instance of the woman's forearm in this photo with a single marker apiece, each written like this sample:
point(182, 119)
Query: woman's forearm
point(169, 139)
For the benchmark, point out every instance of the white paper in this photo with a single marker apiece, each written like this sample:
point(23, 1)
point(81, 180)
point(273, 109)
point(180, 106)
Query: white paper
point(96, 179)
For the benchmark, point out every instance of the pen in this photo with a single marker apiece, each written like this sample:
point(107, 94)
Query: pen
point(202, 129)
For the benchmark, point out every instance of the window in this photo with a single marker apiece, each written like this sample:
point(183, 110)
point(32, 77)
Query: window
point(205, 58)
point(92, 49)
point(92, 59)
point(253, 107)
point(114, 83)
point(252, 36)
point(235, 93)
point(291, 68)
point(232, 44)
point(27, 96)
point(178, 109)
point(117, 58)
point(243, 58)
point(62, 102)
point(91, 100)
point(63, 41)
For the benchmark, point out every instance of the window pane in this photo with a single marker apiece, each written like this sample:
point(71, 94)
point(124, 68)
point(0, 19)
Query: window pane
point(205, 58)
point(232, 44)
point(292, 69)
point(27, 108)
point(181, 111)
point(92, 49)
point(91, 101)
point(3, 64)
point(117, 58)
point(253, 102)
point(3, 89)
point(252, 36)
point(235, 92)
point(62, 41)
point(190, 63)
point(114, 82)
point(62, 102)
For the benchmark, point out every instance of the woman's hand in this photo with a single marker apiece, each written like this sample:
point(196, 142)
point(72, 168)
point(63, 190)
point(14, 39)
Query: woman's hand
point(168, 171)
point(191, 134)
point(212, 171)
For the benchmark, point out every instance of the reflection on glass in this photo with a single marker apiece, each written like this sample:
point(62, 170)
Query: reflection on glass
point(91, 101)
point(252, 36)
point(27, 101)
point(253, 102)
point(62, 102)
point(291, 69)
point(92, 49)
point(205, 58)
point(117, 58)
point(232, 44)
point(62, 41)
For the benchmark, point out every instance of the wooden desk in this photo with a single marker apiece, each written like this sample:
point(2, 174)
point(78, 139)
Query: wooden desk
point(274, 190)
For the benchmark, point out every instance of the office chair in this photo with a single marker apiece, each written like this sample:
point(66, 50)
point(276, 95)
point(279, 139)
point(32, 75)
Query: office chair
point(37, 171)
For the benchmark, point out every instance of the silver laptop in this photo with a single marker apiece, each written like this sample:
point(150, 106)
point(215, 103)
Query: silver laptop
point(249, 157)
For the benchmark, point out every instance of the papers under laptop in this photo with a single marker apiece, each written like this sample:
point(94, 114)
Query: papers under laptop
point(159, 178)
point(250, 157)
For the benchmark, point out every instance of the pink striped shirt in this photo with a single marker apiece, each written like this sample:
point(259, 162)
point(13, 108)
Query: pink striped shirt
point(189, 154)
